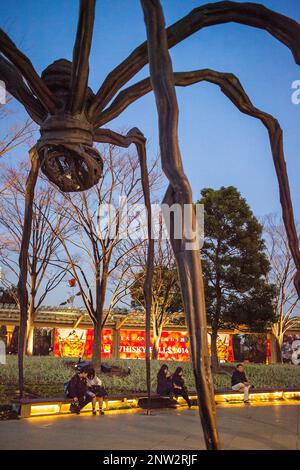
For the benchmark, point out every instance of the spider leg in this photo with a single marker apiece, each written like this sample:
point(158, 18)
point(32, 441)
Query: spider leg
point(233, 89)
point(283, 28)
point(25, 67)
point(16, 86)
point(136, 137)
point(179, 192)
point(81, 52)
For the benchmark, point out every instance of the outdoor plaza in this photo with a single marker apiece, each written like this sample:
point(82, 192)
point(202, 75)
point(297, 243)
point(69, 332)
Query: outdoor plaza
point(149, 227)
point(253, 427)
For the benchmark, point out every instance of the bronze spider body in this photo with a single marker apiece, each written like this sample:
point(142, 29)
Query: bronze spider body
point(71, 117)
point(65, 149)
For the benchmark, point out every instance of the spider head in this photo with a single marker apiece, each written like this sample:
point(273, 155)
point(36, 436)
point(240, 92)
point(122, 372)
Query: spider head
point(65, 149)
point(71, 168)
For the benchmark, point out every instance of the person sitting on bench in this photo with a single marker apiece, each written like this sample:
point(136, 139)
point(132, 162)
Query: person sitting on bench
point(180, 390)
point(95, 390)
point(239, 382)
point(164, 382)
point(77, 390)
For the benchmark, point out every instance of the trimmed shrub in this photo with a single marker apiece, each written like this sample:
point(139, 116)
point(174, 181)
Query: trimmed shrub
point(45, 376)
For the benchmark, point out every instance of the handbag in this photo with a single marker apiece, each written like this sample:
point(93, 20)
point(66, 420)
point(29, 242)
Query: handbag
point(99, 390)
point(74, 407)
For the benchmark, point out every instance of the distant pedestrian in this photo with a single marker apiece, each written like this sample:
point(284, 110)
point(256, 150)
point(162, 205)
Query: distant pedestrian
point(164, 382)
point(179, 387)
point(239, 382)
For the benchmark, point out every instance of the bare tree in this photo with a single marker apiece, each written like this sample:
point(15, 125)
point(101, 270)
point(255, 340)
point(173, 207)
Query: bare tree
point(12, 135)
point(15, 134)
point(166, 294)
point(15, 137)
point(282, 275)
point(45, 268)
point(100, 217)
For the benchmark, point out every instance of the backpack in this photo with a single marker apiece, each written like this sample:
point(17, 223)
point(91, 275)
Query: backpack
point(66, 388)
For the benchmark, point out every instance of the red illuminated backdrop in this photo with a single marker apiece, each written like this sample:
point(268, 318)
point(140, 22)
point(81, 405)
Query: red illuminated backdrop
point(76, 343)
point(173, 345)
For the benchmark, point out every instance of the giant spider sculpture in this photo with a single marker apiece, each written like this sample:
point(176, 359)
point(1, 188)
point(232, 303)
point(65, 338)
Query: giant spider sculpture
point(71, 118)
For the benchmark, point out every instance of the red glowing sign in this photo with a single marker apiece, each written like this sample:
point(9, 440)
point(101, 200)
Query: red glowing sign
point(173, 345)
point(79, 343)
point(224, 347)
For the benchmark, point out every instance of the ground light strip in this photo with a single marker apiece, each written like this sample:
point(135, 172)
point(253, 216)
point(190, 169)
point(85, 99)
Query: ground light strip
point(62, 408)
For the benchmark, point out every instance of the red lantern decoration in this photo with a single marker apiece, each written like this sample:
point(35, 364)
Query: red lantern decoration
point(230, 357)
point(268, 359)
point(72, 282)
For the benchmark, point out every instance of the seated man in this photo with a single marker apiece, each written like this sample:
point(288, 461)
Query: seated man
point(77, 390)
point(239, 382)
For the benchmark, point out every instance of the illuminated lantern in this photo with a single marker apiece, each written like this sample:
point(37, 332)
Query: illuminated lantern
point(268, 359)
point(72, 282)
point(230, 350)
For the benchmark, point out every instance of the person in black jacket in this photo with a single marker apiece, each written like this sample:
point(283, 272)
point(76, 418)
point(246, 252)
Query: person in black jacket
point(77, 390)
point(164, 382)
point(239, 382)
point(180, 390)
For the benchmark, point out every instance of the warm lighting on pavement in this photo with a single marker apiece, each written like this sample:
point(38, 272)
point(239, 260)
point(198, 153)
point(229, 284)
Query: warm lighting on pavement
point(38, 410)
point(130, 404)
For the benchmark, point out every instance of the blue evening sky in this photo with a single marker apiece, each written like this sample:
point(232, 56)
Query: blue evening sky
point(220, 146)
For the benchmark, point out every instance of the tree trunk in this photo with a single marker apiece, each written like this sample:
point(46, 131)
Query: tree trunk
point(157, 331)
point(23, 264)
point(30, 328)
point(277, 331)
point(29, 339)
point(214, 351)
point(101, 283)
point(278, 353)
point(155, 347)
point(97, 346)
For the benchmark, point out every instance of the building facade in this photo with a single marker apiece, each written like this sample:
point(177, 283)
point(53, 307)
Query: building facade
point(69, 333)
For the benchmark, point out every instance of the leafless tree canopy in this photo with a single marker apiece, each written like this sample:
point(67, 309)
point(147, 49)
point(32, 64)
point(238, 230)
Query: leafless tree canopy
point(282, 274)
point(166, 295)
point(45, 267)
point(96, 245)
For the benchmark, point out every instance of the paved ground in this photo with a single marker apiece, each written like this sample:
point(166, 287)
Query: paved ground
point(241, 427)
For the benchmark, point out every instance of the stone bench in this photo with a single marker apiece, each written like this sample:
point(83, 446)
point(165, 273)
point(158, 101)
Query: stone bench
point(30, 407)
